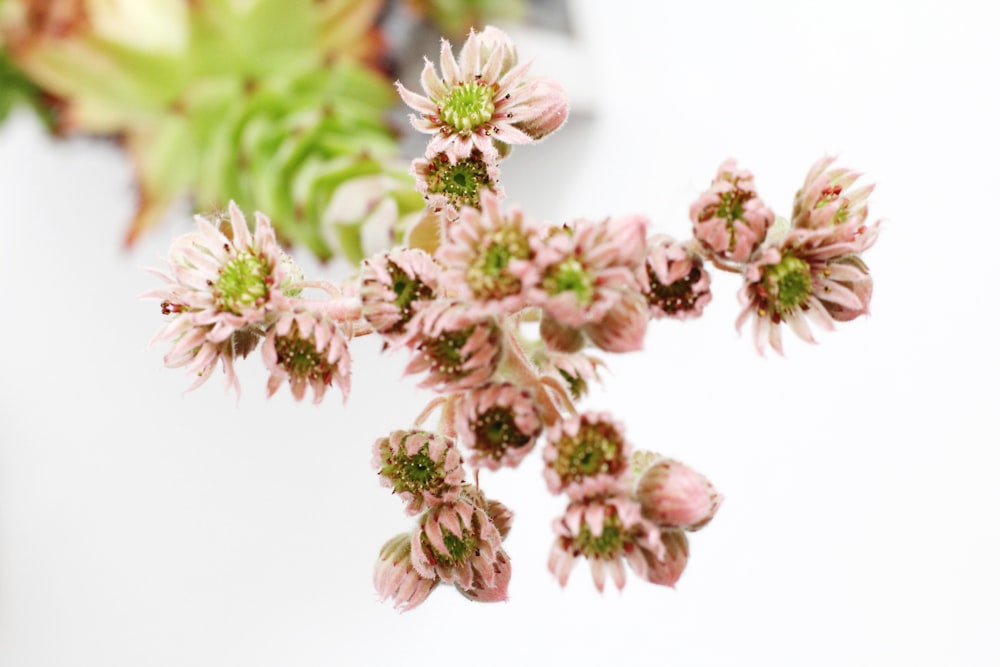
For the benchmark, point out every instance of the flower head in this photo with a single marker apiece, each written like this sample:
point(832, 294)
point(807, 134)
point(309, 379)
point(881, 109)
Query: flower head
point(487, 257)
point(499, 424)
point(673, 280)
point(607, 532)
point(458, 349)
point(224, 284)
point(586, 456)
point(827, 197)
point(457, 543)
point(586, 266)
point(448, 184)
point(482, 97)
point(729, 218)
point(394, 286)
point(813, 275)
point(425, 469)
point(307, 347)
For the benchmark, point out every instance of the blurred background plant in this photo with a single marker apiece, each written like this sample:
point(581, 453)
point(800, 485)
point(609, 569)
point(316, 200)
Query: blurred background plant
point(281, 105)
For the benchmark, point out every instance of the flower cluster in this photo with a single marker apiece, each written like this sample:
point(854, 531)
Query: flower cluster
point(483, 102)
point(806, 270)
point(624, 507)
point(506, 319)
point(228, 288)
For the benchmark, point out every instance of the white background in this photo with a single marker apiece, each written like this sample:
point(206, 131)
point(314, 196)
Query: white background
point(142, 527)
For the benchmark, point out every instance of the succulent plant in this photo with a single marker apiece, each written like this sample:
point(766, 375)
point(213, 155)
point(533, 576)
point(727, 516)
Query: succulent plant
point(273, 103)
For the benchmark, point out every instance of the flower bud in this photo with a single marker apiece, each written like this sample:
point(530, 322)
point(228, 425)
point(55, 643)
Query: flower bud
point(549, 106)
point(396, 578)
point(673, 495)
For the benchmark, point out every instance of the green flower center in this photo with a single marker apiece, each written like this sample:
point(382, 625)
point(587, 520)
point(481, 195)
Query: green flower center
point(467, 106)
point(676, 297)
point(459, 182)
point(595, 449)
point(788, 285)
point(445, 352)
point(243, 282)
point(609, 544)
point(488, 276)
point(416, 473)
point(570, 276)
point(300, 358)
point(496, 432)
point(460, 547)
point(408, 291)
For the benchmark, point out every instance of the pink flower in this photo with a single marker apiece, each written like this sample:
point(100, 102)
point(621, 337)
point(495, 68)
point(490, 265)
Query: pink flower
point(448, 184)
point(224, 285)
point(306, 346)
point(424, 469)
point(586, 456)
point(487, 258)
point(814, 275)
point(672, 495)
point(457, 543)
point(607, 532)
point(458, 349)
point(586, 266)
point(396, 578)
point(481, 98)
point(499, 423)
point(729, 218)
point(394, 286)
point(827, 199)
point(673, 280)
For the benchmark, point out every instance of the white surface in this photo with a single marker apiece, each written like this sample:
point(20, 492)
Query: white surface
point(142, 528)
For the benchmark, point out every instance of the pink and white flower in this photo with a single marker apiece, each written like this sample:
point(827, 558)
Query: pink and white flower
point(729, 218)
point(587, 456)
point(673, 280)
point(458, 544)
point(456, 347)
point(607, 532)
point(423, 469)
point(488, 258)
point(585, 267)
point(499, 424)
point(395, 286)
point(814, 275)
point(449, 184)
point(225, 284)
point(307, 347)
point(481, 98)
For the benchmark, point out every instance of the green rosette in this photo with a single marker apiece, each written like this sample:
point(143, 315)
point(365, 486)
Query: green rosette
point(271, 103)
point(285, 146)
